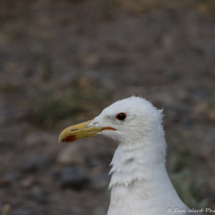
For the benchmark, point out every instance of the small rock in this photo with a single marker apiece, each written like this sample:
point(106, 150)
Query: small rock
point(27, 72)
point(197, 95)
point(6, 209)
point(85, 82)
point(193, 85)
point(10, 66)
point(170, 73)
point(13, 176)
point(212, 115)
point(92, 60)
point(72, 177)
point(167, 41)
point(182, 95)
point(4, 183)
point(28, 182)
point(39, 195)
point(94, 162)
point(200, 110)
point(23, 212)
point(35, 162)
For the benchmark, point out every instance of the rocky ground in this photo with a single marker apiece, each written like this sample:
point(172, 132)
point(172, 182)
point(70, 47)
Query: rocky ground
point(62, 62)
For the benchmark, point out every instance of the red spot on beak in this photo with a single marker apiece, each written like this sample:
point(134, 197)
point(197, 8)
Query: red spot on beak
point(70, 138)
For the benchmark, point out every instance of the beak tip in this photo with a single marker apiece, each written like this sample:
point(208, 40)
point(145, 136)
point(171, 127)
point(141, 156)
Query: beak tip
point(70, 138)
point(59, 140)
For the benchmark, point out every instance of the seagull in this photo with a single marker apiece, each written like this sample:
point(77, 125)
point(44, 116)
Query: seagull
point(140, 184)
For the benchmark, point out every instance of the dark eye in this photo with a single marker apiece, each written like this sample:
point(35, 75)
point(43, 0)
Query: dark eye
point(121, 116)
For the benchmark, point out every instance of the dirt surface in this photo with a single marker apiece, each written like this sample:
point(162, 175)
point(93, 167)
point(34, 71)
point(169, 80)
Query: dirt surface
point(62, 62)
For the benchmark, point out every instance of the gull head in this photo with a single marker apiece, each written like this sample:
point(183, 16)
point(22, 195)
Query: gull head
point(126, 121)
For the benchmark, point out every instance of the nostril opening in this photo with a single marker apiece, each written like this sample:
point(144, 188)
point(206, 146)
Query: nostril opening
point(74, 130)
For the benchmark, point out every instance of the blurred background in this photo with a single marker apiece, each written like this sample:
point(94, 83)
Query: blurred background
point(62, 62)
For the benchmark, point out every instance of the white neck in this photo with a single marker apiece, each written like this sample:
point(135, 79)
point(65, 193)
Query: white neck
point(140, 184)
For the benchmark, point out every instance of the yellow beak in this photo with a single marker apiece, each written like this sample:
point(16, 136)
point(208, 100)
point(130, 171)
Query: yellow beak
point(80, 131)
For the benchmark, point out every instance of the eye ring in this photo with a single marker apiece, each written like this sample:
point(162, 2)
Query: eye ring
point(121, 116)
